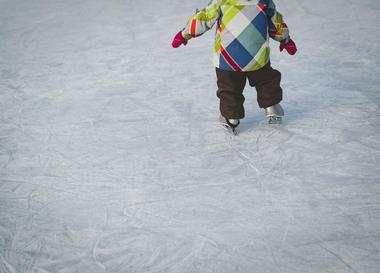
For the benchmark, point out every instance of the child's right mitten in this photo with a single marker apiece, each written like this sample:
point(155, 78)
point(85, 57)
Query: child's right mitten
point(179, 40)
point(289, 46)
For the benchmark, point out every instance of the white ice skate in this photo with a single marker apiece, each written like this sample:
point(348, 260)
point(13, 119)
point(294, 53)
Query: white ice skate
point(229, 124)
point(274, 114)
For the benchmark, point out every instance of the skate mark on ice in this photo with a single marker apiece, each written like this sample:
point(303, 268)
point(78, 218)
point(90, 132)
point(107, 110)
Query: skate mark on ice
point(342, 239)
point(80, 194)
point(7, 242)
point(5, 266)
point(131, 210)
point(140, 250)
point(70, 264)
point(9, 160)
point(339, 258)
point(290, 220)
point(258, 139)
point(242, 155)
point(345, 212)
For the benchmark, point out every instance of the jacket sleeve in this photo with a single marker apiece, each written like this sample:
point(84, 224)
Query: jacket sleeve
point(278, 30)
point(202, 20)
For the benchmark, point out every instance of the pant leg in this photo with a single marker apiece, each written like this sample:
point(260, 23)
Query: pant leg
point(230, 92)
point(267, 82)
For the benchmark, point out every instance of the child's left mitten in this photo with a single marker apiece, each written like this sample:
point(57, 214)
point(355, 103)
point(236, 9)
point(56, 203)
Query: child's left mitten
point(179, 40)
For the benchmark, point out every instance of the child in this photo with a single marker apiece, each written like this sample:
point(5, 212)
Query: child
point(241, 52)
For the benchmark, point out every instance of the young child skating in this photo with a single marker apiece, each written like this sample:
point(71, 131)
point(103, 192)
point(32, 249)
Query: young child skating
point(241, 52)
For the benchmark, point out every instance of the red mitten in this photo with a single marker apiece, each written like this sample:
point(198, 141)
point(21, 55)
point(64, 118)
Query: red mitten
point(179, 40)
point(290, 47)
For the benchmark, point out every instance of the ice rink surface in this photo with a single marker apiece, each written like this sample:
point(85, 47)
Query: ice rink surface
point(111, 159)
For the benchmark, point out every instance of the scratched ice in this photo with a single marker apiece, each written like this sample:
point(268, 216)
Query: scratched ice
point(111, 159)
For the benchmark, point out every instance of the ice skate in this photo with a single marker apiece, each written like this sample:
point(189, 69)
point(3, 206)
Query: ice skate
point(229, 124)
point(274, 114)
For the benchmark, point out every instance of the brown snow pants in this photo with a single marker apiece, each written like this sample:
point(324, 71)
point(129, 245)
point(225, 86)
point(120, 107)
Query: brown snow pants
point(231, 85)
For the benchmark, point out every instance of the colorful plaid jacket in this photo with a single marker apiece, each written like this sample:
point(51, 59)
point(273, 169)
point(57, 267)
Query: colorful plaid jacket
point(242, 34)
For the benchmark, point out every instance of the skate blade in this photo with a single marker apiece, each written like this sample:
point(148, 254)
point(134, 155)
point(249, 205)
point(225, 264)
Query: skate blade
point(229, 129)
point(274, 120)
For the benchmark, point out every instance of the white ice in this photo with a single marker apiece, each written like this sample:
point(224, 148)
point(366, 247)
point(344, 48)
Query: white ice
point(111, 159)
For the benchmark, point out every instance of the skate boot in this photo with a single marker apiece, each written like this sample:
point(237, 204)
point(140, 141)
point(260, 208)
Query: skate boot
point(229, 124)
point(274, 114)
